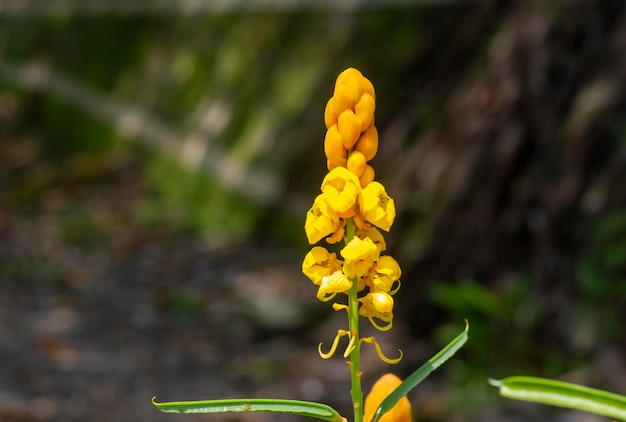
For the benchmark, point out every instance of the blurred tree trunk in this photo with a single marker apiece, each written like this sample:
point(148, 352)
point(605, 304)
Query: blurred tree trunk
point(529, 148)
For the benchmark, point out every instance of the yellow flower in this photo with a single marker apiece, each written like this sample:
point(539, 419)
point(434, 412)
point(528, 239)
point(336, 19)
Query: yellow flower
point(376, 206)
point(385, 385)
point(375, 235)
point(359, 255)
point(377, 305)
point(384, 274)
point(320, 221)
point(332, 284)
point(319, 263)
point(341, 189)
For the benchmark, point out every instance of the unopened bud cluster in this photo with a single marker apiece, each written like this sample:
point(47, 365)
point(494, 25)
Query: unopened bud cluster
point(351, 139)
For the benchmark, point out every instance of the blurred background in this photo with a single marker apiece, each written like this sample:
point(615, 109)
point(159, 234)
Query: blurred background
point(157, 160)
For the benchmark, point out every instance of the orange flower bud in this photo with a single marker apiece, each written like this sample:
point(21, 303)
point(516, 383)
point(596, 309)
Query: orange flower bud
point(348, 89)
point(368, 176)
point(385, 385)
point(330, 118)
point(365, 111)
point(356, 163)
point(368, 143)
point(349, 127)
point(369, 88)
point(333, 146)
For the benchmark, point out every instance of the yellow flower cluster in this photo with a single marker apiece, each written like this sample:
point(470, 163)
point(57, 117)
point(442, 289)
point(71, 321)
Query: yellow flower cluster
point(350, 196)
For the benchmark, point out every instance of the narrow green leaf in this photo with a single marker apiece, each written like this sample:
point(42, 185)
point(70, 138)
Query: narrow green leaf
point(418, 376)
point(294, 407)
point(563, 394)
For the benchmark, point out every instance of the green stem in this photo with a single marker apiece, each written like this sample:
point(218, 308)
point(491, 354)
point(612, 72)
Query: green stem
point(355, 354)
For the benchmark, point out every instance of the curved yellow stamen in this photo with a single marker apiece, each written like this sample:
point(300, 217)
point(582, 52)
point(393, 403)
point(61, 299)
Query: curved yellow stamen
point(333, 348)
point(340, 307)
point(379, 352)
point(350, 347)
point(380, 327)
point(327, 298)
point(394, 291)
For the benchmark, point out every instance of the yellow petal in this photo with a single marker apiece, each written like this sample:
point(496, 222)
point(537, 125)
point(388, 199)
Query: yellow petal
point(320, 221)
point(376, 206)
point(332, 284)
point(319, 263)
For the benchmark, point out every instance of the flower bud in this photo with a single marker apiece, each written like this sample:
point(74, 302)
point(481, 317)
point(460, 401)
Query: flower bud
point(368, 143)
point(330, 118)
point(333, 146)
point(348, 89)
point(365, 111)
point(385, 385)
point(349, 127)
point(368, 176)
point(356, 163)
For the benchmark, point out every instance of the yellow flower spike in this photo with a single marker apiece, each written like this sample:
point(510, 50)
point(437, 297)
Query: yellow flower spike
point(364, 110)
point(356, 163)
point(368, 143)
point(320, 221)
point(385, 385)
point(368, 176)
point(330, 118)
point(341, 188)
point(379, 352)
point(359, 255)
point(349, 87)
point(332, 284)
point(333, 147)
point(376, 206)
point(333, 348)
point(349, 126)
point(319, 263)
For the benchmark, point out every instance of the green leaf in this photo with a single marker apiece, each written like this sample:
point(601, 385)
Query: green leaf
point(563, 394)
point(418, 376)
point(294, 407)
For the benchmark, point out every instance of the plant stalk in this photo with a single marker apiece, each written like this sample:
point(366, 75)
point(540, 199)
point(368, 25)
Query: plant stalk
point(355, 354)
